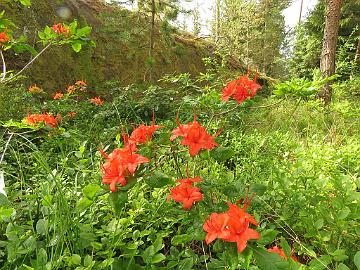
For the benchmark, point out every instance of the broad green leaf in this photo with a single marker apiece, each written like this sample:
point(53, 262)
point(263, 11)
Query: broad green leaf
point(357, 259)
point(88, 261)
point(221, 153)
point(158, 244)
point(83, 32)
point(25, 2)
point(320, 263)
point(258, 189)
point(83, 204)
point(75, 259)
point(339, 255)
point(269, 261)
point(285, 246)
point(157, 180)
point(342, 266)
point(343, 213)
point(267, 236)
point(319, 223)
point(180, 239)
point(41, 257)
point(30, 243)
point(118, 200)
point(76, 46)
point(148, 253)
point(159, 257)
point(186, 264)
point(42, 226)
point(90, 190)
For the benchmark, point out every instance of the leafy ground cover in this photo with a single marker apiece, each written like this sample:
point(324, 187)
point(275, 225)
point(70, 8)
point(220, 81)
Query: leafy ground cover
point(292, 164)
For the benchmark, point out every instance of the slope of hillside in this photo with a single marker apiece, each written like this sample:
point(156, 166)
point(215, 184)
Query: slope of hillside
point(121, 51)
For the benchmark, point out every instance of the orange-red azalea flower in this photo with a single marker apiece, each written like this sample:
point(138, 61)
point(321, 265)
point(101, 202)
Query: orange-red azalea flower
point(189, 181)
point(120, 164)
point(216, 227)
point(71, 114)
point(71, 89)
point(194, 136)
point(277, 250)
point(47, 119)
point(34, 89)
point(4, 38)
point(186, 194)
point(60, 29)
point(58, 95)
point(97, 100)
point(240, 89)
point(81, 83)
point(143, 133)
point(231, 226)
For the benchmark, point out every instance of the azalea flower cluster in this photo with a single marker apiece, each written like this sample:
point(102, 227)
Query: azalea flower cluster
point(60, 29)
point(97, 101)
point(123, 162)
point(34, 89)
point(194, 136)
point(240, 89)
point(45, 118)
point(4, 38)
point(231, 226)
point(186, 193)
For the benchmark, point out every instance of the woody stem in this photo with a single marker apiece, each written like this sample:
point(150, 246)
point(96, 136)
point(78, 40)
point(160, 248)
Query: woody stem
point(28, 64)
point(176, 162)
point(4, 66)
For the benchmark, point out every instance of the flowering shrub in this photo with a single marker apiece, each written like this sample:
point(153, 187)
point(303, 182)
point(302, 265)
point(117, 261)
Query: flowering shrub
point(44, 118)
point(240, 89)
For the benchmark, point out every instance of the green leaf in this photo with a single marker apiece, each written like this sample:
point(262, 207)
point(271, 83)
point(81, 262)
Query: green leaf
point(259, 189)
point(343, 213)
point(41, 257)
point(75, 259)
point(320, 263)
point(342, 266)
point(148, 253)
point(84, 32)
point(159, 257)
point(158, 244)
point(319, 223)
point(269, 261)
point(186, 264)
point(118, 200)
point(267, 236)
point(357, 259)
point(339, 255)
point(88, 261)
point(90, 190)
point(285, 246)
point(180, 239)
point(157, 180)
point(83, 204)
point(76, 46)
point(26, 3)
point(221, 153)
point(42, 226)
point(30, 244)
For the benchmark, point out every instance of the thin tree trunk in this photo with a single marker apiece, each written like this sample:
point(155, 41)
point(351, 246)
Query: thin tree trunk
point(357, 54)
point(301, 9)
point(217, 18)
point(327, 60)
point(152, 38)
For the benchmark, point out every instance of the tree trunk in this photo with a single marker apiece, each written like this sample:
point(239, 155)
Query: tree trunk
point(327, 60)
point(357, 54)
point(152, 34)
